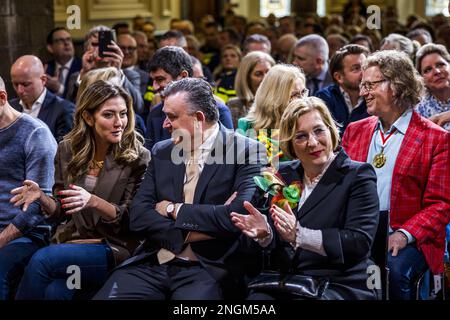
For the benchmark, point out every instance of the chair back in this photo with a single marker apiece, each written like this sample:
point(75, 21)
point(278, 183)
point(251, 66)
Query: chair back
point(379, 251)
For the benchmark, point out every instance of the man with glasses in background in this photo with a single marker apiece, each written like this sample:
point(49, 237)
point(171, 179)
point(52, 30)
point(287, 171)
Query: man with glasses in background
point(128, 45)
point(64, 63)
point(410, 155)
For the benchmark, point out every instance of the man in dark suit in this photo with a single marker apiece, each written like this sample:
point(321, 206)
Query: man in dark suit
point(311, 54)
point(29, 79)
point(64, 64)
point(342, 98)
point(184, 203)
point(168, 64)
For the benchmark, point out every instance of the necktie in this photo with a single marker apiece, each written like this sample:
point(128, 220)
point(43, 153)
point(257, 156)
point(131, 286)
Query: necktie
point(192, 175)
point(61, 74)
point(315, 82)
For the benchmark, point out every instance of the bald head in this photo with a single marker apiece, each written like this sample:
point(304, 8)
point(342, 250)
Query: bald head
point(28, 78)
point(30, 64)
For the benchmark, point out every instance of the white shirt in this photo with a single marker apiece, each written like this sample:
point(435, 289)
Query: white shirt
point(36, 107)
point(348, 101)
point(206, 146)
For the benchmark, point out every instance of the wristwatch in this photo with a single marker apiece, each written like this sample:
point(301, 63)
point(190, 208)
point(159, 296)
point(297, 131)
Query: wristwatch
point(170, 209)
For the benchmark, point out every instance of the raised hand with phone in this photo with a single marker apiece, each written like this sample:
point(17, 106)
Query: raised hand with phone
point(101, 51)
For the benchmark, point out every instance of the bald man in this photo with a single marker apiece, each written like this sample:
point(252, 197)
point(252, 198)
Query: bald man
point(27, 151)
point(128, 45)
point(29, 79)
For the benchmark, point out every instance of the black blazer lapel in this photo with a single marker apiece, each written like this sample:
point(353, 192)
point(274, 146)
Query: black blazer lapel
point(177, 172)
point(331, 178)
point(45, 112)
point(292, 171)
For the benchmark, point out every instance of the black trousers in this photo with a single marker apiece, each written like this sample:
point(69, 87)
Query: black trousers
point(175, 280)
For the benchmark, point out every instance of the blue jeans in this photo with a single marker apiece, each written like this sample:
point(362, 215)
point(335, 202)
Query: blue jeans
point(14, 256)
point(404, 271)
point(47, 275)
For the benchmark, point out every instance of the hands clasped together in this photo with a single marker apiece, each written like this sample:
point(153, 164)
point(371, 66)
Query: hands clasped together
point(254, 225)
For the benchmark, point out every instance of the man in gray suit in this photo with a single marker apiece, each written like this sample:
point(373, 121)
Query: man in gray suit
point(311, 54)
point(128, 45)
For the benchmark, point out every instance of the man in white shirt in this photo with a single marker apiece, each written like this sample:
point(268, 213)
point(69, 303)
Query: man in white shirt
point(29, 79)
point(60, 45)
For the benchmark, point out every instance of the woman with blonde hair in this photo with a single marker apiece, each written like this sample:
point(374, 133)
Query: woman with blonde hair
point(98, 168)
point(281, 85)
point(252, 70)
point(308, 239)
point(225, 73)
point(433, 64)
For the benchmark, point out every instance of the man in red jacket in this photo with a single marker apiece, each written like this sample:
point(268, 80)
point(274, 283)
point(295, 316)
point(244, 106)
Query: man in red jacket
point(411, 157)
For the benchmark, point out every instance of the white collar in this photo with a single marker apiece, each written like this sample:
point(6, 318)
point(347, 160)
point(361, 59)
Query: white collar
point(39, 101)
point(67, 65)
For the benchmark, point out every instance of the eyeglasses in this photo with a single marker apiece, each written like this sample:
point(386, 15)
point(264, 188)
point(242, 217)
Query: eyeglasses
point(62, 40)
point(130, 49)
point(299, 94)
point(317, 133)
point(370, 85)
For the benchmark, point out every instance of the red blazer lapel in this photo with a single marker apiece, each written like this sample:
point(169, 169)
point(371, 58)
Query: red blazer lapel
point(359, 137)
point(414, 137)
point(366, 137)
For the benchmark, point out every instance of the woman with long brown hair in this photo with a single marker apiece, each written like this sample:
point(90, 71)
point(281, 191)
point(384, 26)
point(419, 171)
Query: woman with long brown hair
point(98, 168)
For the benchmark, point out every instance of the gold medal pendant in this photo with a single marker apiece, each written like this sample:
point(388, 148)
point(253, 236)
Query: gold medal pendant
point(379, 160)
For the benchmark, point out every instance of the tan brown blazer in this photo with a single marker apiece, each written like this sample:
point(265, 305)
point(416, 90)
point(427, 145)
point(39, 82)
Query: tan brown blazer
point(116, 184)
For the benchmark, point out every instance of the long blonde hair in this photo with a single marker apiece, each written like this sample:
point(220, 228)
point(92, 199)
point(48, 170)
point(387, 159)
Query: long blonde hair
point(110, 74)
point(273, 96)
point(242, 83)
point(81, 138)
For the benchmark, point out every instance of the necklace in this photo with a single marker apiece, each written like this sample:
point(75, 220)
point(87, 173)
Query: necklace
point(97, 164)
point(379, 160)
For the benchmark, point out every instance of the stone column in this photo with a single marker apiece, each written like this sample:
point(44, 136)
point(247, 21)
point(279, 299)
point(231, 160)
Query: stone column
point(24, 25)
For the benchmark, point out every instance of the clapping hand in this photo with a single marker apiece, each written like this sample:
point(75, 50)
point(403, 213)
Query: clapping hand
point(253, 225)
point(26, 194)
point(285, 222)
point(75, 199)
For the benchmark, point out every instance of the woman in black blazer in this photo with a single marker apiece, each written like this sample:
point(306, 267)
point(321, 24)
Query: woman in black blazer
point(329, 234)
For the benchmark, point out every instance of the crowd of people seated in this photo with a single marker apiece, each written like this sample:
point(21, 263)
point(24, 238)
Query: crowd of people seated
point(239, 160)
